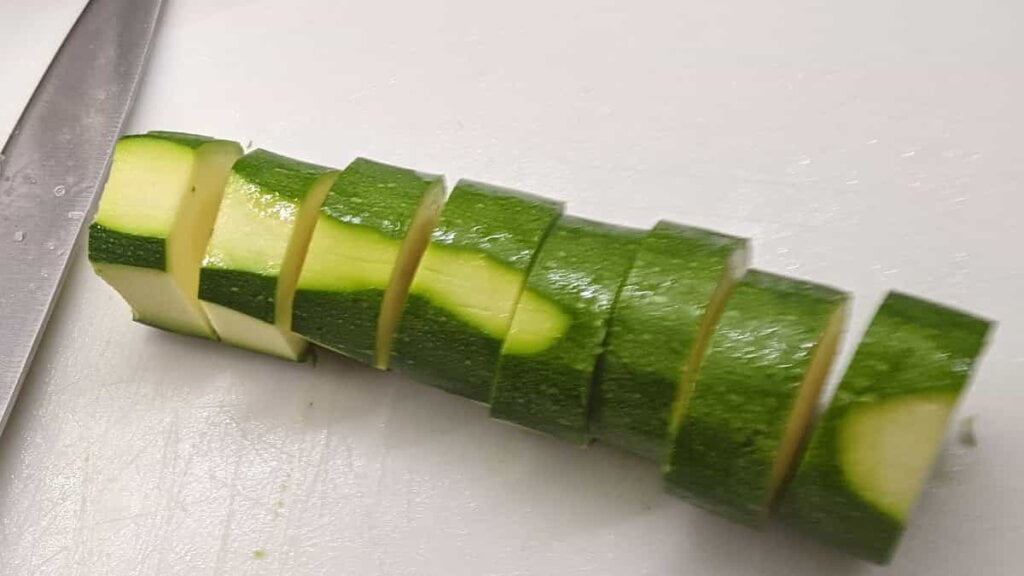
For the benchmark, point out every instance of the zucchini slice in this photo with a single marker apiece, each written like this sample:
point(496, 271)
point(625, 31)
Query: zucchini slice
point(754, 395)
point(871, 451)
point(153, 223)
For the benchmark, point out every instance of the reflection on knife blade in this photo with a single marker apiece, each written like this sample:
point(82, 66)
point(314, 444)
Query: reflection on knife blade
point(54, 162)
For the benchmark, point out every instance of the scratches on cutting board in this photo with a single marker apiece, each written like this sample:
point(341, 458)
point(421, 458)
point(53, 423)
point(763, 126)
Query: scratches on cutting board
point(190, 472)
point(125, 518)
point(176, 475)
point(282, 492)
point(299, 497)
point(220, 567)
point(82, 514)
point(46, 562)
point(158, 521)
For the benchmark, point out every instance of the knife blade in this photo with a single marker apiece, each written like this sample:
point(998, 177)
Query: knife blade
point(54, 162)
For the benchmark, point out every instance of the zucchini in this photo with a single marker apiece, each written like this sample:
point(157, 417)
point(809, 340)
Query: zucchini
point(370, 235)
point(754, 395)
point(663, 318)
point(259, 240)
point(468, 283)
point(549, 357)
point(870, 453)
point(153, 222)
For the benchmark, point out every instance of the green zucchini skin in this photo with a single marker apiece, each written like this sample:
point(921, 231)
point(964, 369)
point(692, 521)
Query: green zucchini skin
point(356, 248)
point(661, 317)
point(579, 268)
point(468, 284)
point(732, 432)
point(913, 349)
point(247, 279)
point(153, 221)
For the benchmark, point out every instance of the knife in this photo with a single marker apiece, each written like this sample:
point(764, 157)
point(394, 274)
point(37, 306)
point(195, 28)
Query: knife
point(53, 164)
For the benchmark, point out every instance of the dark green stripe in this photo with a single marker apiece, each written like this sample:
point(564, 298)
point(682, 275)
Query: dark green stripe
point(507, 225)
point(378, 196)
point(279, 175)
point(440, 350)
point(912, 347)
point(736, 417)
point(579, 267)
point(106, 245)
point(345, 322)
point(657, 320)
point(557, 404)
point(246, 292)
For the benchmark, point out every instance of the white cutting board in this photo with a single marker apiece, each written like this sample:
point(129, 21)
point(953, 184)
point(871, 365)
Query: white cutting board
point(871, 146)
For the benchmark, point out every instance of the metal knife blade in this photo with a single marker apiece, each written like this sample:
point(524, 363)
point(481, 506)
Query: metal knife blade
point(53, 164)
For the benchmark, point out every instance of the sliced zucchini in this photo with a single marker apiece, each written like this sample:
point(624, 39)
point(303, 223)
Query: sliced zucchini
point(467, 286)
point(549, 357)
point(370, 235)
point(754, 394)
point(870, 453)
point(259, 241)
point(153, 223)
point(663, 318)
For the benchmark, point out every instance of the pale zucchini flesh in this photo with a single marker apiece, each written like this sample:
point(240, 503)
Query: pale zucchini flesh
point(472, 275)
point(409, 256)
point(370, 235)
point(153, 222)
point(868, 457)
point(881, 448)
point(257, 248)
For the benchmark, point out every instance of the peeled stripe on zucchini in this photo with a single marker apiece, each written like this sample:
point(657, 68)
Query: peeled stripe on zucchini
point(153, 223)
point(370, 235)
point(869, 456)
point(467, 286)
point(549, 358)
point(259, 241)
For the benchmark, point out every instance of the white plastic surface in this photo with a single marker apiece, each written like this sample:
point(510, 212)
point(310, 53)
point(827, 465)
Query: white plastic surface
point(30, 34)
point(871, 145)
